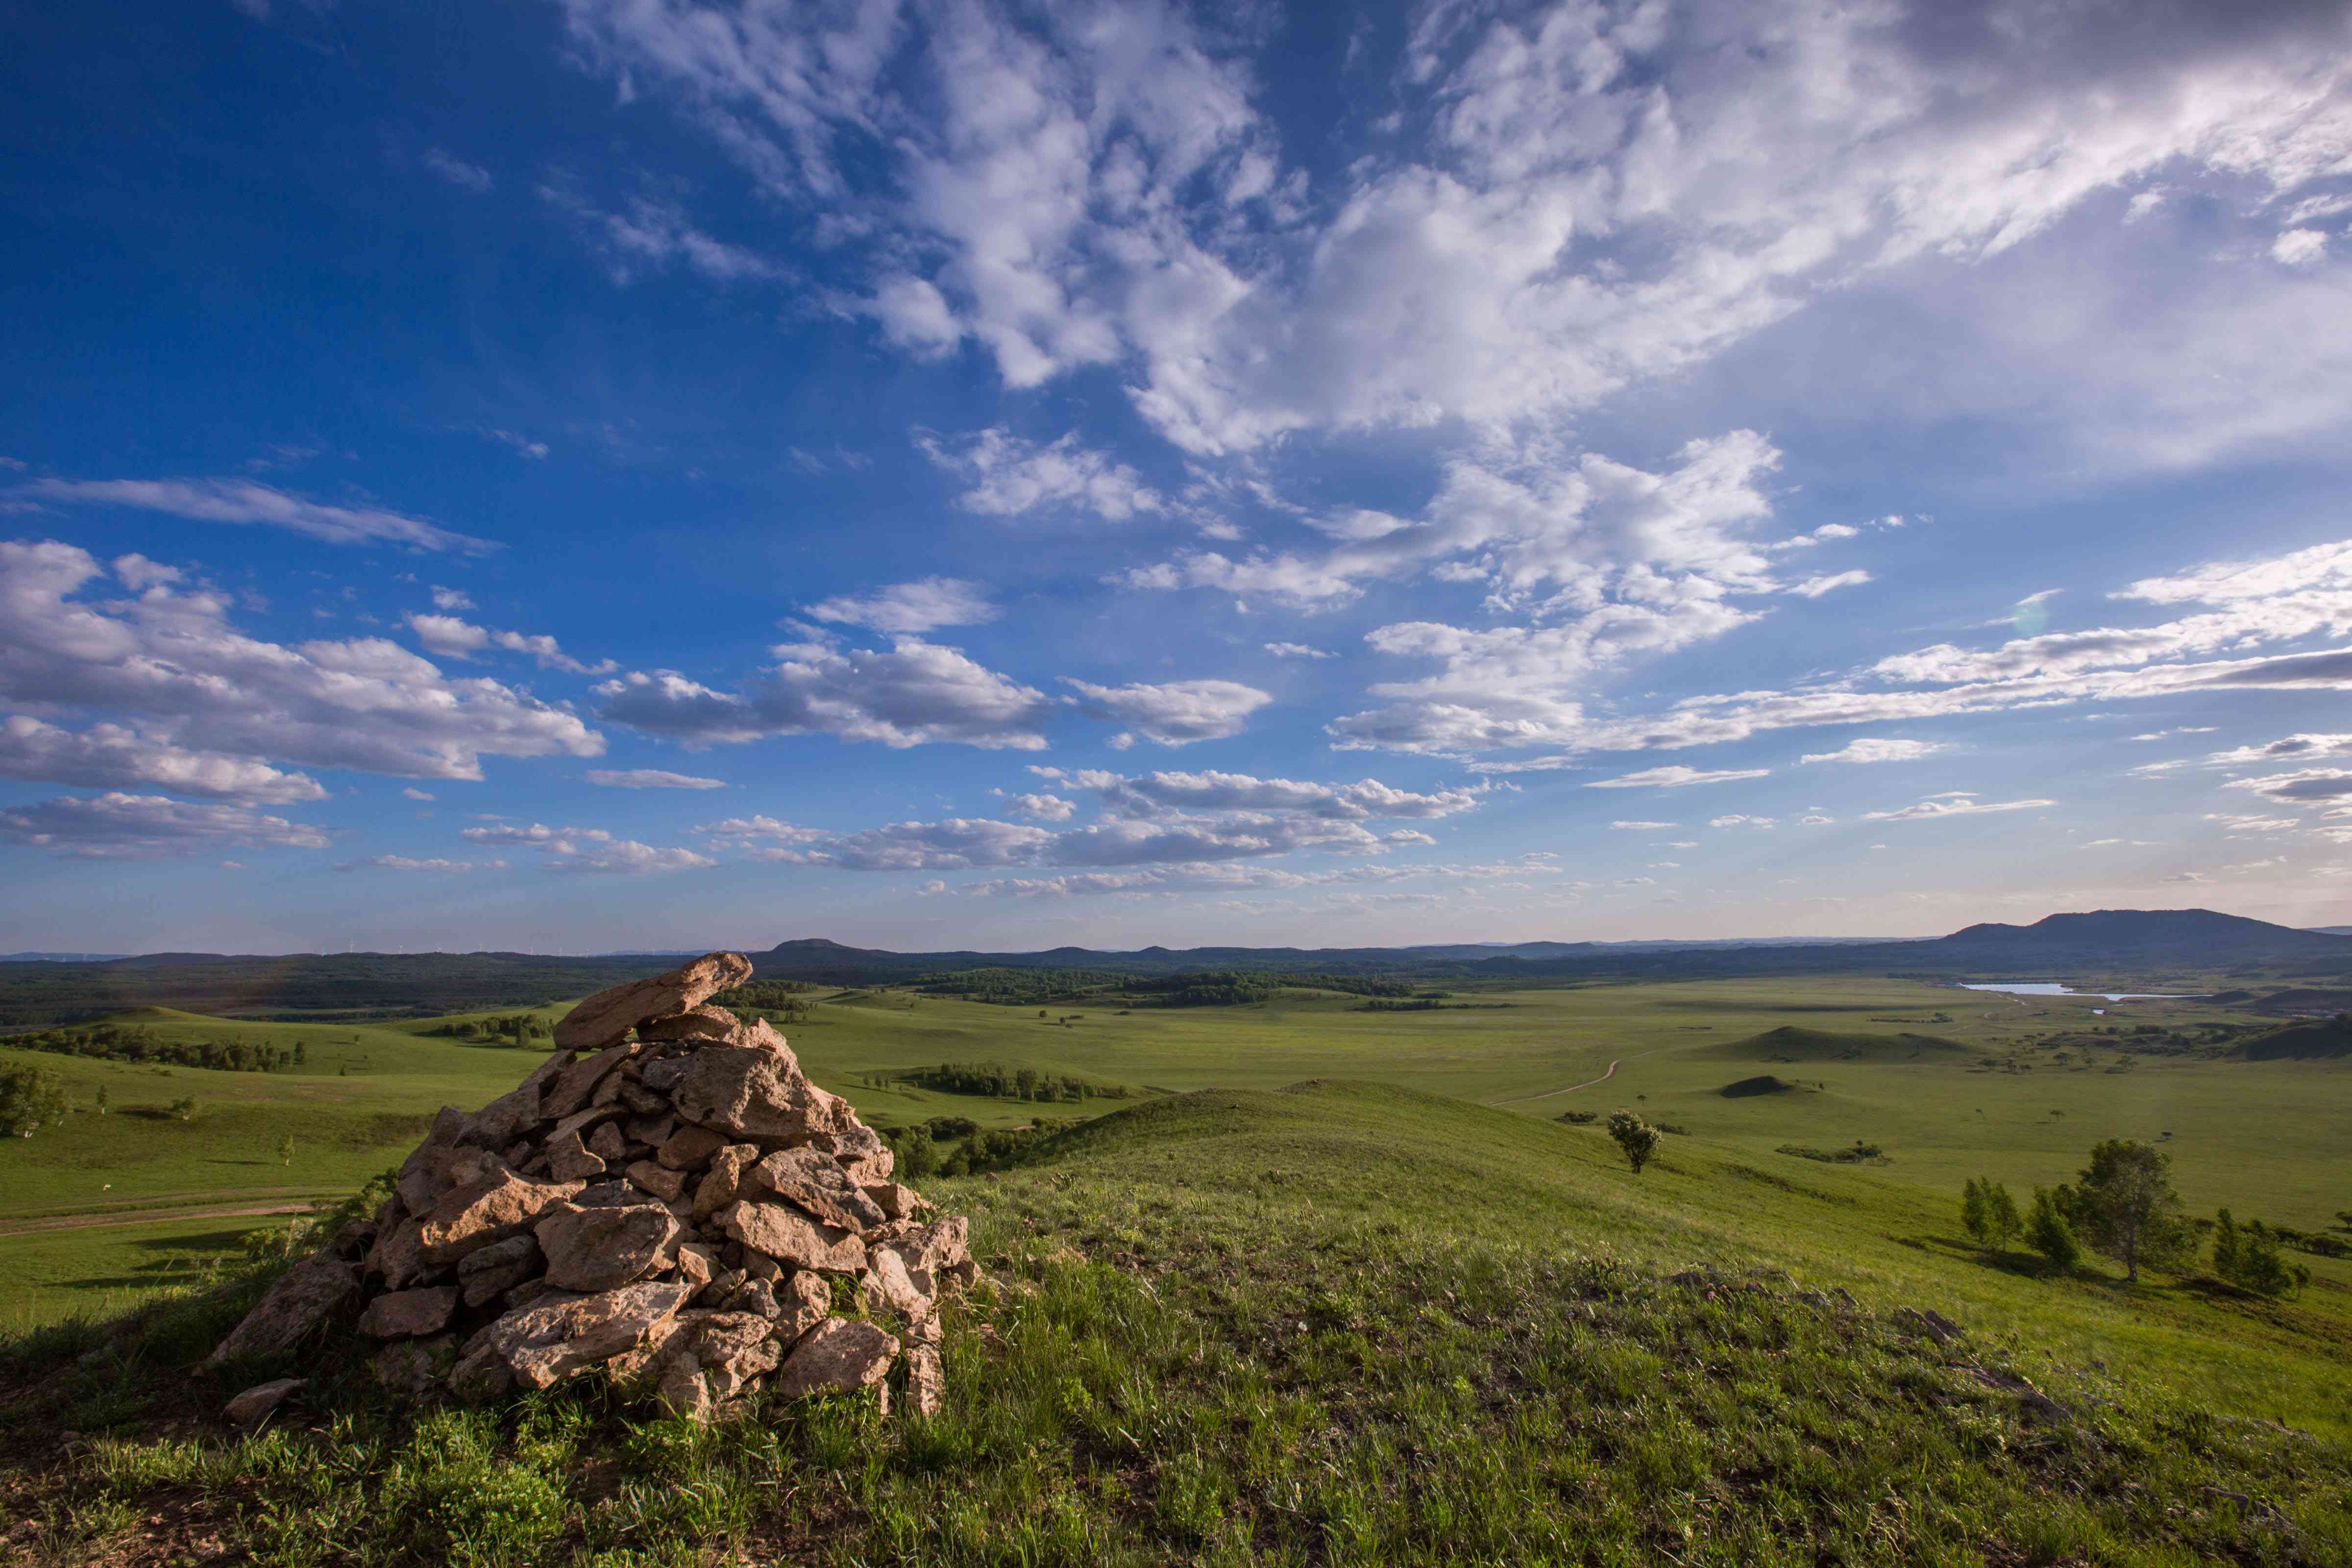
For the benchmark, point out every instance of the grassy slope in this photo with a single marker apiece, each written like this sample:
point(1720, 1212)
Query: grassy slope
point(2268, 1138)
point(1341, 1323)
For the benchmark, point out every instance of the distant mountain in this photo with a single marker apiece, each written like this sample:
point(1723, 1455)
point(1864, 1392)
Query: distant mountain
point(2205, 938)
point(2329, 931)
point(58, 957)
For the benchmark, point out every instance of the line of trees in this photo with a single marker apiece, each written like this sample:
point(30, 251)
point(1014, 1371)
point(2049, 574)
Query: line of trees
point(1005, 1082)
point(515, 1028)
point(2123, 1206)
point(138, 1043)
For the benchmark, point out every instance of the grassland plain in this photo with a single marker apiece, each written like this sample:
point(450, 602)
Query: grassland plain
point(1337, 1323)
point(2270, 1139)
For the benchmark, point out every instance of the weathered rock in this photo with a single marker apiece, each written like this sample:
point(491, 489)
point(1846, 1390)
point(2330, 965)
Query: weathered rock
point(562, 1336)
point(690, 1148)
point(414, 1368)
point(753, 1092)
point(409, 1314)
point(895, 1200)
point(790, 1236)
point(398, 1256)
point(607, 1141)
point(663, 1183)
point(435, 1168)
point(254, 1407)
point(651, 1131)
point(755, 1296)
point(863, 1157)
point(697, 1263)
point(887, 1286)
point(927, 1380)
point(802, 1301)
point(513, 1113)
point(809, 1178)
point(724, 1183)
point(607, 1016)
point(598, 1249)
point(697, 1025)
point(486, 1275)
point(640, 1101)
point(712, 1358)
point(569, 1094)
point(568, 1160)
point(661, 1074)
point(293, 1308)
point(839, 1355)
point(471, 1217)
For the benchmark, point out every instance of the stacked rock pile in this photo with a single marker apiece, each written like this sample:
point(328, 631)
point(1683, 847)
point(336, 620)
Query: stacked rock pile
point(668, 1199)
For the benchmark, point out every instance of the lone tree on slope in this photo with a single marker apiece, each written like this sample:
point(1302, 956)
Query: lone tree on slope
point(2125, 1207)
point(1635, 1137)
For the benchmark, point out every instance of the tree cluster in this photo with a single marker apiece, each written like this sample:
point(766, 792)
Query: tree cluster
point(138, 1043)
point(1003, 1082)
point(515, 1029)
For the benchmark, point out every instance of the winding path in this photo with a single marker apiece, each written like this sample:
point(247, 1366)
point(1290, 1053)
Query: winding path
point(145, 1216)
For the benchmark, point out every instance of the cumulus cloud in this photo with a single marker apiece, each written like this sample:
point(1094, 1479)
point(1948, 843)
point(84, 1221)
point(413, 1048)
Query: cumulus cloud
point(2304, 784)
point(1944, 805)
point(1044, 808)
point(1676, 776)
point(169, 663)
point(120, 826)
point(588, 851)
point(443, 598)
point(915, 694)
point(1176, 713)
point(922, 606)
point(648, 778)
point(1009, 476)
point(1064, 206)
point(246, 502)
point(415, 794)
point(1873, 748)
point(1736, 820)
point(2288, 748)
point(110, 756)
point(450, 636)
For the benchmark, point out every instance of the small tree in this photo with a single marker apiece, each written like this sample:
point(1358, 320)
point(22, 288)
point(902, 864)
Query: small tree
point(185, 1110)
point(2005, 1220)
point(2125, 1207)
point(2251, 1257)
point(286, 1150)
point(1635, 1137)
point(1976, 1212)
point(2226, 1248)
point(30, 1098)
point(2048, 1234)
point(104, 1104)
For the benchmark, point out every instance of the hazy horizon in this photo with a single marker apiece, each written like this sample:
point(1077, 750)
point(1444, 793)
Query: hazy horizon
point(579, 478)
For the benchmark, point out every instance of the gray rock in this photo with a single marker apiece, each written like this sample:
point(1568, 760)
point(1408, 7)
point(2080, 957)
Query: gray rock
point(254, 1407)
point(292, 1308)
point(790, 1236)
point(690, 1148)
point(486, 1275)
point(606, 1017)
point(810, 1179)
point(754, 1092)
point(724, 1184)
point(560, 1336)
point(569, 1159)
point(471, 1217)
point(927, 1380)
point(599, 1249)
point(409, 1314)
point(839, 1355)
point(697, 1025)
point(607, 1141)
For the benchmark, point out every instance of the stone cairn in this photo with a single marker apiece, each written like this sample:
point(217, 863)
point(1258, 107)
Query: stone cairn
point(668, 1199)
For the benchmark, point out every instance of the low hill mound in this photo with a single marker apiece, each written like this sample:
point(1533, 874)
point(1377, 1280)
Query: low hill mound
point(1789, 1043)
point(1761, 1084)
point(2317, 1038)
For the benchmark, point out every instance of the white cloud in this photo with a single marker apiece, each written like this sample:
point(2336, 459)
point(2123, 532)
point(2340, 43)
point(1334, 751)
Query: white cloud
point(548, 655)
point(1297, 650)
point(2299, 247)
point(1940, 807)
point(1873, 748)
point(1814, 587)
point(1740, 821)
point(169, 663)
point(2304, 785)
point(117, 826)
point(2156, 770)
point(1677, 777)
point(457, 171)
point(2247, 824)
point(922, 606)
point(1176, 713)
point(650, 235)
point(1643, 826)
point(917, 693)
point(448, 635)
point(2286, 748)
point(443, 598)
point(413, 794)
point(1011, 477)
point(1098, 188)
point(648, 778)
point(1039, 807)
point(110, 756)
point(1815, 819)
point(534, 450)
point(243, 500)
point(404, 863)
point(589, 851)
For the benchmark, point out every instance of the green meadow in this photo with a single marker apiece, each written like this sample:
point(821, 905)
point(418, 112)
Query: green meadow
point(1948, 1083)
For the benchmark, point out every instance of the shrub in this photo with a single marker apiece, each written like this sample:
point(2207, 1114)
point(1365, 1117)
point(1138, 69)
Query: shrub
point(1635, 1137)
point(29, 1098)
point(2048, 1232)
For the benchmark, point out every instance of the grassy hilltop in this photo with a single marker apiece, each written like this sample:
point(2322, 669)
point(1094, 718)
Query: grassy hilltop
point(1332, 1284)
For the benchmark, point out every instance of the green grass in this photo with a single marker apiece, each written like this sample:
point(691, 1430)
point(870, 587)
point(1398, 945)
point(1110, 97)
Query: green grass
point(1342, 1323)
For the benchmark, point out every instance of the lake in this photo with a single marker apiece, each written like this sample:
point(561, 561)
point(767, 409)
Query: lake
point(2052, 988)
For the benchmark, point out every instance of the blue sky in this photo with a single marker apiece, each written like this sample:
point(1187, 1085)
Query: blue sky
point(619, 473)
